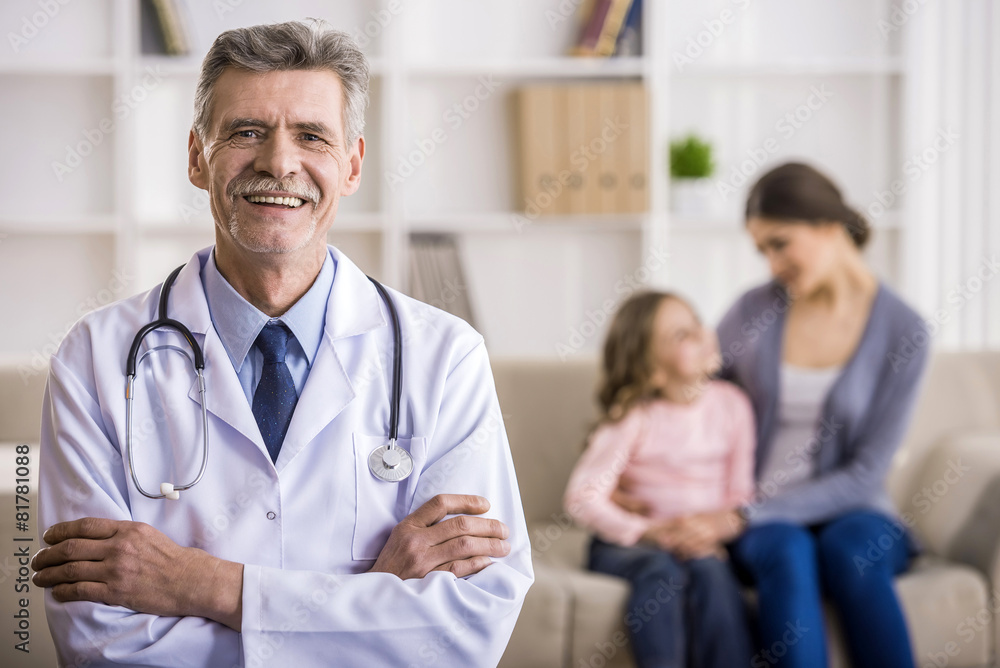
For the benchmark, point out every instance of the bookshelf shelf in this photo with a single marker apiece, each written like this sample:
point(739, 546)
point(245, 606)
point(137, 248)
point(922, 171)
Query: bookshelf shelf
point(554, 67)
point(811, 67)
point(506, 222)
point(890, 220)
point(190, 66)
point(76, 224)
point(96, 67)
point(204, 224)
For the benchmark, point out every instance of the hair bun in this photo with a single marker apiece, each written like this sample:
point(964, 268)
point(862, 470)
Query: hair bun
point(857, 226)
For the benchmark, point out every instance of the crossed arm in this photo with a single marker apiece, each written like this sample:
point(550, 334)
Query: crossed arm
point(133, 565)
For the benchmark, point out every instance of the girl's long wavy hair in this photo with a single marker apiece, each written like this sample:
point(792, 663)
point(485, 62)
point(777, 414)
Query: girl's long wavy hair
point(627, 364)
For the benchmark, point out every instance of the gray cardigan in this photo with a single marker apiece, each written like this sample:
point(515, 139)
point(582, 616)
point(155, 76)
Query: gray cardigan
point(865, 414)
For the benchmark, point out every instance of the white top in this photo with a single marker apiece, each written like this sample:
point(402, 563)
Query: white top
point(792, 458)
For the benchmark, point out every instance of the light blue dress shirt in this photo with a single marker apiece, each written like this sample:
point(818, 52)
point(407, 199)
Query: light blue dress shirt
point(238, 323)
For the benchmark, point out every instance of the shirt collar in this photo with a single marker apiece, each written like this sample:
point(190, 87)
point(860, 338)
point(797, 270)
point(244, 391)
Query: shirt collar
point(238, 322)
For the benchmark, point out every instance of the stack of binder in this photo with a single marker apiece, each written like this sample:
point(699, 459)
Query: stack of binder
point(584, 148)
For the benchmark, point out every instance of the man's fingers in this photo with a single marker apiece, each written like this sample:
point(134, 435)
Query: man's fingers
point(465, 567)
point(96, 592)
point(442, 505)
point(467, 547)
point(71, 549)
point(73, 571)
point(85, 527)
point(466, 525)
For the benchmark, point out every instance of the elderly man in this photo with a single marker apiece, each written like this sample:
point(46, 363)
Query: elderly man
point(290, 550)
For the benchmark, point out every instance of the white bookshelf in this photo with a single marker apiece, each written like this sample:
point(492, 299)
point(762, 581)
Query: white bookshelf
point(129, 210)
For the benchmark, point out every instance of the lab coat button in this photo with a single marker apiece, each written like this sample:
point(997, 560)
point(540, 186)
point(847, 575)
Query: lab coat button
point(271, 515)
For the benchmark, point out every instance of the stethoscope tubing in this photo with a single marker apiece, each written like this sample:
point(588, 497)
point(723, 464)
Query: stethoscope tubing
point(133, 361)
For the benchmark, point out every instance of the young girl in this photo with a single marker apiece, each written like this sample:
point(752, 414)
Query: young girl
point(660, 481)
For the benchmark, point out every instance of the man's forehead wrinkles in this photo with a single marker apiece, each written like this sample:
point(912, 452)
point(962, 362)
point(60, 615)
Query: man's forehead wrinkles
point(316, 126)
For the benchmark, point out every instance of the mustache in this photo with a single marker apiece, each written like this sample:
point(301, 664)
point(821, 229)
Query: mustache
point(240, 187)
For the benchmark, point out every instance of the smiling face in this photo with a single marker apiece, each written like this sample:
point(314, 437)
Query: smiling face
point(275, 160)
point(800, 254)
point(682, 348)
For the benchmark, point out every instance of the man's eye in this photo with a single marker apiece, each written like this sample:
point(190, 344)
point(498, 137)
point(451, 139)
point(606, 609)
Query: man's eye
point(243, 133)
point(311, 137)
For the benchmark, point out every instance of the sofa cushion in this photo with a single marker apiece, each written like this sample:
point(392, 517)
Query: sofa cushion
point(938, 597)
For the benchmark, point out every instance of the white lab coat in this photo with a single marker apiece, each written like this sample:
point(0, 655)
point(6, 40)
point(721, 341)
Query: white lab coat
point(309, 526)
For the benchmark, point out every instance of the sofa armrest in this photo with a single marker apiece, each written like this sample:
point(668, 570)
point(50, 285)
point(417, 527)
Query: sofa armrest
point(543, 633)
point(955, 507)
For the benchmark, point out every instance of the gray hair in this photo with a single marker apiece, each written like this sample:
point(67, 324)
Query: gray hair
point(295, 45)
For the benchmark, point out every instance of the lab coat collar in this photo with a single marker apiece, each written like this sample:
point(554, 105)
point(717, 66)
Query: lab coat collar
point(353, 308)
point(189, 305)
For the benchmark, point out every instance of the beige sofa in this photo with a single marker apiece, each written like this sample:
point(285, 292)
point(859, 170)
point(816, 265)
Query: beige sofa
point(573, 618)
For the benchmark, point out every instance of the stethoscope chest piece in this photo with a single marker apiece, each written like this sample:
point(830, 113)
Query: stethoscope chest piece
point(390, 463)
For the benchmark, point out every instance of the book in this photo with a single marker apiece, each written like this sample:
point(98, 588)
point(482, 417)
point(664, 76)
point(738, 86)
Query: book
point(437, 276)
point(591, 33)
point(613, 24)
point(630, 38)
point(164, 28)
point(610, 28)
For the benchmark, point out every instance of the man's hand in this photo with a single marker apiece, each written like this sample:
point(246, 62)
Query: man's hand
point(463, 545)
point(133, 565)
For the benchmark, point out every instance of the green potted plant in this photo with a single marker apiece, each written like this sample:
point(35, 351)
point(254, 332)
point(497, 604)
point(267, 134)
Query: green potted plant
point(691, 168)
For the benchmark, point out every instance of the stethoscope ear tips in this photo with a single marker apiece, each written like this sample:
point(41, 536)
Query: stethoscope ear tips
point(167, 490)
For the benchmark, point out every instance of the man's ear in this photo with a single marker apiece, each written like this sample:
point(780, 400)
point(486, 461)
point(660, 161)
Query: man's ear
point(197, 169)
point(356, 157)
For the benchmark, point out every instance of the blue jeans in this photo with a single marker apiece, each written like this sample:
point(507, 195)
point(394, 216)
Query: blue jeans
point(680, 613)
point(852, 561)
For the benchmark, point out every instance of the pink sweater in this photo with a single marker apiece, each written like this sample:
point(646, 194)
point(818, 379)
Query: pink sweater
point(675, 459)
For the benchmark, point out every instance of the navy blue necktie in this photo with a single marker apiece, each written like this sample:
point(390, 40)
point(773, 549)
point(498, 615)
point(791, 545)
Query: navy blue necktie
point(274, 400)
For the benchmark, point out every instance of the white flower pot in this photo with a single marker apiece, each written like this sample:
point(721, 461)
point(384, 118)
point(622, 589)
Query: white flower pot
point(693, 197)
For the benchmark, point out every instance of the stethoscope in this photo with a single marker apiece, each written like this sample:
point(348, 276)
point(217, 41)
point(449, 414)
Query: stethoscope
point(389, 462)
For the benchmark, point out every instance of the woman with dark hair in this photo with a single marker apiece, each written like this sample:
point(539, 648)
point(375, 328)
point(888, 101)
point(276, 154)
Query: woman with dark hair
point(818, 351)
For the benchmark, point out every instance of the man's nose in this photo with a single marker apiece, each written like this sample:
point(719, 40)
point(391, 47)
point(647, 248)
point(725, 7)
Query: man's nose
point(278, 156)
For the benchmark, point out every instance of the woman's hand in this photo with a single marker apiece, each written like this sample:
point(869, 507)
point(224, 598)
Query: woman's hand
point(672, 536)
point(706, 532)
point(663, 535)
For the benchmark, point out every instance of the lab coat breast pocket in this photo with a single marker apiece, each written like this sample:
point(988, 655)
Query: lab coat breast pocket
point(381, 505)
